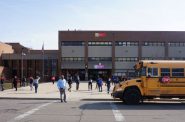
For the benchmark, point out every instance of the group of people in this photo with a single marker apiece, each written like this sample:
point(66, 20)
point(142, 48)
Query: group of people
point(99, 84)
point(73, 78)
point(61, 83)
point(32, 81)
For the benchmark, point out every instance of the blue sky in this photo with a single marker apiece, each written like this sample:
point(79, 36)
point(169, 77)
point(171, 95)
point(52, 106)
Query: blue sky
point(32, 22)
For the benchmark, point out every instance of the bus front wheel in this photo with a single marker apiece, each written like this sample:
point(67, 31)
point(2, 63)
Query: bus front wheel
point(132, 96)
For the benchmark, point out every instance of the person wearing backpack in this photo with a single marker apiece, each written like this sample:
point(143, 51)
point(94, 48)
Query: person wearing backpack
point(36, 83)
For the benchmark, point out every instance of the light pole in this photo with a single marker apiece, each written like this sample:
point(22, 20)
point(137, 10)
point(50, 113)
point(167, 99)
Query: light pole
point(86, 71)
point(22, 68)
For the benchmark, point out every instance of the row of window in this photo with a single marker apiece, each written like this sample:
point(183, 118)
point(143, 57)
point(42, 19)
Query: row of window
point(126, 59)
point(117, 59)
point(176, 44)
point(152, 58)
point(99, 59)
point(176, 72)
point(90, 59)
point(153, 44)
point(73, 59)
point(126, 43)
point(72, 43)
point(121, 43)
point(99, 43)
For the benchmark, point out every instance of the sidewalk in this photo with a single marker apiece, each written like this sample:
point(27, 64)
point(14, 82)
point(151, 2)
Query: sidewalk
point(48, 91)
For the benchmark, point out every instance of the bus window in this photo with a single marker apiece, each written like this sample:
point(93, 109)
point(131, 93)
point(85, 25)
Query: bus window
point(177, 72)
point(152, 72)
point(165, 71)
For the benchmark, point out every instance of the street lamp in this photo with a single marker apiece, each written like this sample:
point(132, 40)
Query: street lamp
point(86, 72)
point(22, 54)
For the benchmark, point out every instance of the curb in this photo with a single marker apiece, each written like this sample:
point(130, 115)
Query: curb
point(20, 98)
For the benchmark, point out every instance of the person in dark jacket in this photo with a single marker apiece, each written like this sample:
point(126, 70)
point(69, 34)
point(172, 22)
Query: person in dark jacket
point(100, 83)
point(77, 81)
point(2, 82)
point(70, 83)
point(15, 82)
point(31, 83)
point(108, 82)
point(24, 81)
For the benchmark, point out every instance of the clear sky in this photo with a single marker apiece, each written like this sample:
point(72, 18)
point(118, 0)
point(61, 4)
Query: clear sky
point(34, 22)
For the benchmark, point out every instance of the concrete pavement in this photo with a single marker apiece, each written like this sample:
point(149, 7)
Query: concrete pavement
point(48, 91)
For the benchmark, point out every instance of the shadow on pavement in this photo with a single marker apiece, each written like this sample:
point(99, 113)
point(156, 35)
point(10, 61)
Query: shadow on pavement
point(121, 106)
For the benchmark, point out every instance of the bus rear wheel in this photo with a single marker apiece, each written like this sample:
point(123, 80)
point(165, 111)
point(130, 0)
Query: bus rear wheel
point(132, 96)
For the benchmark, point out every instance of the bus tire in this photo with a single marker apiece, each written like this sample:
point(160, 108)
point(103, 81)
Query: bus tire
point(132, 96)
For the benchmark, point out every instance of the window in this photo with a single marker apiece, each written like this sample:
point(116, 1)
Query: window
point(142, 72)
point(99, 43)
point(177, 72)
point(73, 43)
point(76, 59)
point(153, 43)
point(126, 43)
point(165, 72)
point(176, 44)
point(100, 59)
point(152, 72)
point(152, 58)
point(126, 59)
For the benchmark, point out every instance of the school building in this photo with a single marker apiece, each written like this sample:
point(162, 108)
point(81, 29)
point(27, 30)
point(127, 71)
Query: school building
point(92, 53)
point(22, 61)
point(106, 53)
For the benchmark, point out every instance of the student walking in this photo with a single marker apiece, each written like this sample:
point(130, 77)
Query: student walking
point(70, 82)
point(90, 84)
point(31, 83)
point(15, 82)
point(2, 82)
point(77, 80)
point(100, 83)
point(53, 79)
point(24, 81)
point(61, 84)
point(108, 85)
point(36, 83)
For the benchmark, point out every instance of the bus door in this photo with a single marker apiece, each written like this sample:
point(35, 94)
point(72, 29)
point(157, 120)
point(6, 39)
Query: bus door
point(152, 82)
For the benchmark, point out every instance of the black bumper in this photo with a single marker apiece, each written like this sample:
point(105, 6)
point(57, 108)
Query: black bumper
point(117, 94)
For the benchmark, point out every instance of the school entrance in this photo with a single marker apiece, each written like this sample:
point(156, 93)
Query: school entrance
point(95, 73)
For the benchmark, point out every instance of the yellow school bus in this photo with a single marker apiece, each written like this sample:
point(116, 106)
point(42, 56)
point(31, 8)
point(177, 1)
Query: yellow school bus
point(156, 78)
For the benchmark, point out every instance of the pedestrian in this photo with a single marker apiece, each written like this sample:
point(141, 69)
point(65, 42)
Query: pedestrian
point(61, 84)
point(31, 83)
point(15, 82)
point(108, 85)
point(36, 83)
point(2, 82)
point(90, 84)
point(70, 82)
point(77, 80)
point(53, 79)
point(100, 83)
point(24, 81)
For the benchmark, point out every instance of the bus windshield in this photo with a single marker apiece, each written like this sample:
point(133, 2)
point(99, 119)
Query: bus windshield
point(141, 72)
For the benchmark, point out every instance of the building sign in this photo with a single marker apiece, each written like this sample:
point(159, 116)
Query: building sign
point(99, 66)
point(100, 34)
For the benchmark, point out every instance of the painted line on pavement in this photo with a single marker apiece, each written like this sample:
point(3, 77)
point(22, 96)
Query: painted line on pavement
point(117, 114)
point(18, 118)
